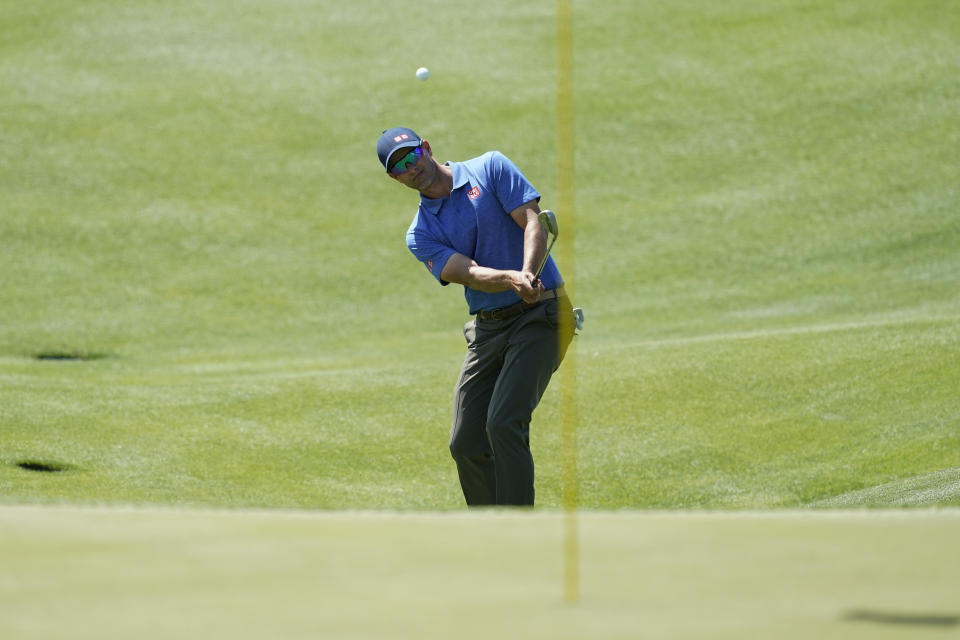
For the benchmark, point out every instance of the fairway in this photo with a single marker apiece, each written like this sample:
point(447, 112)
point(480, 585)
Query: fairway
point(207, 300)
point(226, 385)
point(162, 573)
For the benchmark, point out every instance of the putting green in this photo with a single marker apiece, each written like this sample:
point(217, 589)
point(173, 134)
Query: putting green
point(90, 572)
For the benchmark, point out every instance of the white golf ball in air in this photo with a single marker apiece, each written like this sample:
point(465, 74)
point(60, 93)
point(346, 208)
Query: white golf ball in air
point(423, 73)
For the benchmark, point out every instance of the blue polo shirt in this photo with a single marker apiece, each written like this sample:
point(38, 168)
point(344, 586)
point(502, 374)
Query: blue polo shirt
point(474, 220)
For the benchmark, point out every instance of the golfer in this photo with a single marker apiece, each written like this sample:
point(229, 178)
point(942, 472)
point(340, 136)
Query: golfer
point(477, 226)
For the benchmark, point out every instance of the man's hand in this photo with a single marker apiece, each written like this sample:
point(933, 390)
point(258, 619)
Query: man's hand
point(526, 285)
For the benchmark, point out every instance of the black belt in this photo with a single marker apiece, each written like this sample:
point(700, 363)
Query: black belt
point(517, 308)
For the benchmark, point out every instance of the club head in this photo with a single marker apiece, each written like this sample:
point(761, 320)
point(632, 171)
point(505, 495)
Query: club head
point(549, 221)
point(578, 318)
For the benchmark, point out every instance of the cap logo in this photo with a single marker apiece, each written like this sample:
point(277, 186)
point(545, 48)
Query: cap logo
point(402, 136)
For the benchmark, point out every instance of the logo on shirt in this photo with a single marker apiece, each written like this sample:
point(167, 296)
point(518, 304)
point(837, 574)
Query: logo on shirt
point(430, 265)
point(474, 193)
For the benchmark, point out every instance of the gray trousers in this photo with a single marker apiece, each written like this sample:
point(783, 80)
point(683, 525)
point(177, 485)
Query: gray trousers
point(506, 370)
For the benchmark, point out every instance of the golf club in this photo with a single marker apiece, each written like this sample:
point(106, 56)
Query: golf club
point(549, 221)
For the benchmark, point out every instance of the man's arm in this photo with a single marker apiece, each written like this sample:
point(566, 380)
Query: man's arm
point(463, 270)
point(534, 236)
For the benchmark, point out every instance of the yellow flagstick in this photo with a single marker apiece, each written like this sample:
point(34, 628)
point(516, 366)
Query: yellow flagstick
point(568, 372)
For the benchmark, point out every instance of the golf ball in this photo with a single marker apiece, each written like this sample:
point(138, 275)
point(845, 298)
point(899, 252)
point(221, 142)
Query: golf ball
point(423, 73)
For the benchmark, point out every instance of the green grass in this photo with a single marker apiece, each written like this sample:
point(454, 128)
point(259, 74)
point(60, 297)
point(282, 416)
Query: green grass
point(766, 238)
point(160, 573)
point(207, 303)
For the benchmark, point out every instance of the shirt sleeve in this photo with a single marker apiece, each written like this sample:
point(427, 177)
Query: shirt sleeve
point(511, 186)
point(428, 249)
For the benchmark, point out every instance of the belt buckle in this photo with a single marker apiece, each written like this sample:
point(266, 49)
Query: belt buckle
point(501, 313)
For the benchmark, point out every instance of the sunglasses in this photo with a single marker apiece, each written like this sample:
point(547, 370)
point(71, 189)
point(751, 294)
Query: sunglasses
point(401, 165)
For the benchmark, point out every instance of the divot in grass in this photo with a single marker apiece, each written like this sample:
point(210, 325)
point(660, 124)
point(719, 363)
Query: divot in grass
point(903, 619)
point(40, 466)
point(69, 356)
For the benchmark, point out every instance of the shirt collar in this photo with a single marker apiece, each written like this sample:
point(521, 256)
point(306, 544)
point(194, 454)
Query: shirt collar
point(460, 178)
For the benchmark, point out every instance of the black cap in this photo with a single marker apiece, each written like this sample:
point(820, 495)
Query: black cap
point(393, 139)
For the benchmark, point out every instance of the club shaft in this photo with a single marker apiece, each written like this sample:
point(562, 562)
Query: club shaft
point(543, 263)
